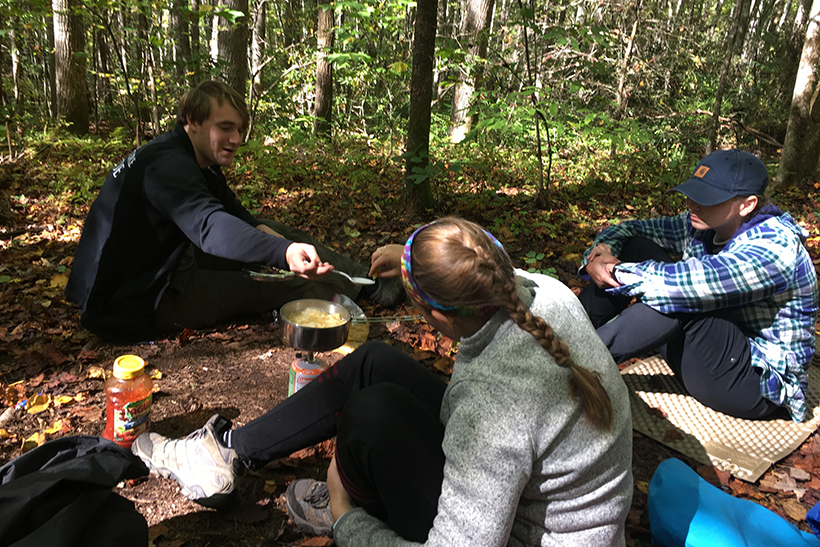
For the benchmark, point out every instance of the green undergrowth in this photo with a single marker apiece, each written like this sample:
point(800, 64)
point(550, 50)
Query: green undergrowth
point(588, 188)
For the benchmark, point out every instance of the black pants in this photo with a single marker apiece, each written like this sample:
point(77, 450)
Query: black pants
point(206, 290)
point(383, 406)
point(707, 351)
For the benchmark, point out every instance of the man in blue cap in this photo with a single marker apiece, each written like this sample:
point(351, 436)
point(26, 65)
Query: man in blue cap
point(734, 317)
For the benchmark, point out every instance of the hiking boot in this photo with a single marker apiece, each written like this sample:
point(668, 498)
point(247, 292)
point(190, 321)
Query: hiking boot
point(308, 504)
point(389, 292)
point(204, 468)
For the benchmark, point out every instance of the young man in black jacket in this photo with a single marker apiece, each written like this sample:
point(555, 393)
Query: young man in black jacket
point(165, 242)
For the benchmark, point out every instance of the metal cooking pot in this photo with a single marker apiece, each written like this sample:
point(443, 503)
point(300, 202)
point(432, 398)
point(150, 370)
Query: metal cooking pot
point(312, 338)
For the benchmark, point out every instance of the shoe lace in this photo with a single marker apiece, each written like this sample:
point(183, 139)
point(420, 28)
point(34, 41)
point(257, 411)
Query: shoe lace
point(318, 497)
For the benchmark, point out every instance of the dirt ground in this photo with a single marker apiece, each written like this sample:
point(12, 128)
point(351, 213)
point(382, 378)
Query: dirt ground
point(241, 371)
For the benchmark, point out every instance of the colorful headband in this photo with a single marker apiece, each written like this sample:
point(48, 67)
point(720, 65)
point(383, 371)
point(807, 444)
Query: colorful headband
point(417, 294)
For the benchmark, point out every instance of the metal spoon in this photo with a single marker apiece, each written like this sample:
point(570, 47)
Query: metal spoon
point(356, 280)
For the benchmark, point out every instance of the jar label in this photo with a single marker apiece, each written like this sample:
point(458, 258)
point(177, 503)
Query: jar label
point(132, 419)
point(299, 378)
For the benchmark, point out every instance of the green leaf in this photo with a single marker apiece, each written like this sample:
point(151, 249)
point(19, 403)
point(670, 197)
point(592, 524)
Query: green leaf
point(4, 279)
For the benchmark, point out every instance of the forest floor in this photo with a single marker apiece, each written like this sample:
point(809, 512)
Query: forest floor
point(240, 370)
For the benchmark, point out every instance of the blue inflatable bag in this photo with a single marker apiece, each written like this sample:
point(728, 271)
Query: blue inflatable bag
point(685, 510)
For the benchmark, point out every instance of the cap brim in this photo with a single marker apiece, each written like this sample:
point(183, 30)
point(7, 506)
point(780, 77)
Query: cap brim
point(702, 193)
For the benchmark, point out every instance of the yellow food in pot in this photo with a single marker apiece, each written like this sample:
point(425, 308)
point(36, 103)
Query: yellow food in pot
point(317, 319)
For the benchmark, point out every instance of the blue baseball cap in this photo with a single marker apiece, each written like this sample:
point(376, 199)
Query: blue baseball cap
point(724, 174)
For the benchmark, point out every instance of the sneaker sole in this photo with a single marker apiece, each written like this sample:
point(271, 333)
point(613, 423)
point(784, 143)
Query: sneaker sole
point(216, 501)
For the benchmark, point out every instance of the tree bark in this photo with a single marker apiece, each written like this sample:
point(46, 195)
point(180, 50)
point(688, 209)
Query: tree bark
point(797, 160)
point(195, 63)
point(736, 28)
point(323, 105)
point(102, 58)
point(418, 190)
point(621, 95)
point(69, 41)
point(258, 48)
point(475, 30)
point(182, 39)
point(233, 47)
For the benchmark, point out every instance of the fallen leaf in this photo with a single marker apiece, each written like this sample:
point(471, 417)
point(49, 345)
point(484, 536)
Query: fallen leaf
point(784, 482)
point(87, 413)
point(36, 381)
point(317, 541)
point(87, 355)
point(643, 486)
point(95, 371)
point(59, 425)
point(654, 411)
point(270, 487)
point(799, 474)
point(59, 281)
point(155, 374)
point(671, 435)
point(32, 442)
point(422, 355)
point(794, 509)
point(38, 403)
point(5, 434)
point(767, 484)
point(61, 400)
point(444, 364)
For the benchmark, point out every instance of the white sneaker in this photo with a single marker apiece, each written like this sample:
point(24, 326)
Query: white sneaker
point(204, 468)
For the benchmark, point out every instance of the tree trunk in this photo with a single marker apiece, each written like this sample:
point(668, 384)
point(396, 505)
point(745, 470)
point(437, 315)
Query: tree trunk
point(796, 161)
point(621, 95)
point(104, 69)
point(182, 41)
point(258, 48)
point(475, 30)
point(4, 101)
point(323, 105)
point(51, 75)
point(15, 64)
point(233, 47)
point(69, 38)
point(417, 184)
point(741, 15)
point(290, 31)
point(195, 63)
point(784, 16)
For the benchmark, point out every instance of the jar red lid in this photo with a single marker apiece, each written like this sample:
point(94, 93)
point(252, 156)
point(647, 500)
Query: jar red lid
point(128, 366)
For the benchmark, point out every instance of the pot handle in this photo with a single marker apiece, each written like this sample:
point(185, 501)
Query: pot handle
point(275, 314)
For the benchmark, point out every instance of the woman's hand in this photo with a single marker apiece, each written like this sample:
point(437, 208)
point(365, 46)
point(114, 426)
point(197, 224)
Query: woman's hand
point(305, 262)
point(386, 261)
point(340, 500)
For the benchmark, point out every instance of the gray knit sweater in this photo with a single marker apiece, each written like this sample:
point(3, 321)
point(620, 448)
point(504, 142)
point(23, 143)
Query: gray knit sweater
point(523, 465)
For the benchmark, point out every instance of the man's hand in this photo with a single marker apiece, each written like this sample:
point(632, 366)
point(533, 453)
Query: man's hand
point(386, 261)
point(340, 500)
point(268, 230)
point(600, 266)
point(304, 262)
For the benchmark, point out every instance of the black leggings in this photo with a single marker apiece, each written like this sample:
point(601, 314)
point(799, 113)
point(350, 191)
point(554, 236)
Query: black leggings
point(707, 351)
point(383, 406)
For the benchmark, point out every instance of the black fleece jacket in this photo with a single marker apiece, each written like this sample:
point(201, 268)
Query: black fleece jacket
point(152, 206)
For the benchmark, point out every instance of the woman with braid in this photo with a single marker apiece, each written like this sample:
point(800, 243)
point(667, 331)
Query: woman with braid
point(529, 444)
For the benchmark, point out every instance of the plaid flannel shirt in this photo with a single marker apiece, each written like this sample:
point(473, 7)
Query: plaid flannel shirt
point(763, 278)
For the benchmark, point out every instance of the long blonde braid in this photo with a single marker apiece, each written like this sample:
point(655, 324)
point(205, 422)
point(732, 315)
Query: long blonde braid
point(457, 265)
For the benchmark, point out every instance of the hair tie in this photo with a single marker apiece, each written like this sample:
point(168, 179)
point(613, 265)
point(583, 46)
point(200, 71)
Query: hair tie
point(416, 293)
